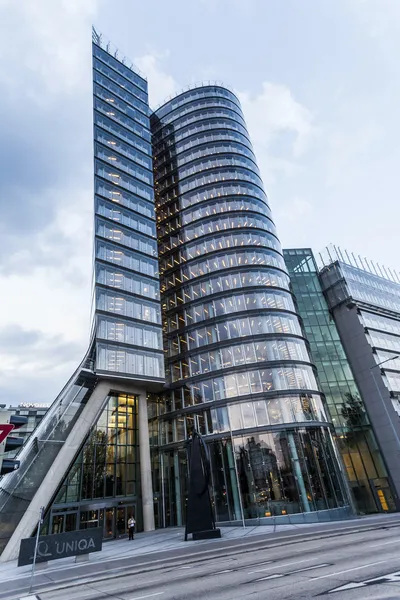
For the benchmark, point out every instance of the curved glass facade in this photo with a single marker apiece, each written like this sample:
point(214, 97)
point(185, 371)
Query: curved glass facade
point(238, 368)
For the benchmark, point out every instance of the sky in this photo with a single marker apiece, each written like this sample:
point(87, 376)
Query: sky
point(320, 88)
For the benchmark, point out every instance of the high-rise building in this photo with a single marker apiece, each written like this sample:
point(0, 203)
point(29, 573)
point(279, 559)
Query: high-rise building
point(364, 300)
point(127, 323)
point(354, 435)
point(237, 364)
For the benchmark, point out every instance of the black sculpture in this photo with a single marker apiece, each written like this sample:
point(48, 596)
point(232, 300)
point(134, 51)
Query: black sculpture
point(199, 515)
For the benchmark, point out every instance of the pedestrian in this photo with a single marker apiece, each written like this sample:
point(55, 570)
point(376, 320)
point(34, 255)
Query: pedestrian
point(131, 527)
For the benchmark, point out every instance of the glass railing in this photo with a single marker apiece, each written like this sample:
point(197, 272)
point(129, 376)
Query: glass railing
point(36, 457)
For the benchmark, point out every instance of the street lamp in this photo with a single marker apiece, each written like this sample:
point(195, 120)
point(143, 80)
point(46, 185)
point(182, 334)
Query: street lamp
point(381, 397)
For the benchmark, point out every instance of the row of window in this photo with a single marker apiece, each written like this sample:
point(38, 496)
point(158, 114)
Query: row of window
point(226, 189)
point(114, 143)
point(224, 241)
point(127, 306)
point(380, 322)
point(372, 296)
point(122, 81)
point(117, 65)
point(191, 95)
point(369, 280)
point(203, 171)
point(214, 149)
point(124, 198)
point(210, 195)
point(133, 362)
point(193, 106)
point(394, 384)
point(214, 225)
point(206, 114)
point(234, 328)
point(212, 208)
point(125, 258)
point(128, 164)
point(230, 240)
point(393, 360)
point(243, 415)
point(108, 79)
point(129, 333)
point(200, 127)
point(108, 124)
point(187, 145)
point(384, 340)
point(133, 240)
point(125, 217)
point(237, 356)
point(256, 381)
point(125, 107)
point(224, 261)
point(108, 108)
point(127, 282)
point(228, 282)
point(118, 178)
point(227, 175)
point(230, 304)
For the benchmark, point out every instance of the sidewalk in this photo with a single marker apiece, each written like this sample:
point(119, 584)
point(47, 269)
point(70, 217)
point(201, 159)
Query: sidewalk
point(117, 554)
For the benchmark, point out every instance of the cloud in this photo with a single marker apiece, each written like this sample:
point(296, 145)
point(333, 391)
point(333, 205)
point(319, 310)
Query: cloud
point(280, 127)
point(43, 364)
point(295, 212)
point(380, 18)
point(46, 193)
point(161, 84)
point(274, 112)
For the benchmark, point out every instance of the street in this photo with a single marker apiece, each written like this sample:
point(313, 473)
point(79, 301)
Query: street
point(351, 566)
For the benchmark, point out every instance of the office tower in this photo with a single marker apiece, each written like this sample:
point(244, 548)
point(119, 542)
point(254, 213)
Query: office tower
point(237, 364)
point(127, 296)
point(92, 447)
point(354, 435)
point(364, 301)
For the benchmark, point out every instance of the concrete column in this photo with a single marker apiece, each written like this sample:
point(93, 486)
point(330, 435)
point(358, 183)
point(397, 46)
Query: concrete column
point(145, 466)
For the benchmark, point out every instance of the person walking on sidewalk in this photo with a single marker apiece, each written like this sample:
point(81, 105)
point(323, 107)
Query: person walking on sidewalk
point(131, 527)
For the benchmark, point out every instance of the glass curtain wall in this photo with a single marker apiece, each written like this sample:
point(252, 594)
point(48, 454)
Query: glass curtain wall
point(127, 297)
point(238, 368)
point(103, 485)
point(354, 436)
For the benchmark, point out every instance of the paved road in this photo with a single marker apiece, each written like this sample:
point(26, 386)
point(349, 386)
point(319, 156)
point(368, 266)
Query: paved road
point(353, 566)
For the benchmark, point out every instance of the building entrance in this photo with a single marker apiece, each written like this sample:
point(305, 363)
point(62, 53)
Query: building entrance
point(113, 519)
point(64, 521)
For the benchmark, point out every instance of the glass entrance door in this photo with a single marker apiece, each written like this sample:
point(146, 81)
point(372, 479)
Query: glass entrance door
point(63, 522)
point(109, 523)
point(57, 525)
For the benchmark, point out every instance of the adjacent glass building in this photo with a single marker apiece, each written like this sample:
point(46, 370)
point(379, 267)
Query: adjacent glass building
point(364, 301)
point(366, 472)
point(237, 364)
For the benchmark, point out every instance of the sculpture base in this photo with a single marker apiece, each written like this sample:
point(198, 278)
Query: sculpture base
point(209, 534)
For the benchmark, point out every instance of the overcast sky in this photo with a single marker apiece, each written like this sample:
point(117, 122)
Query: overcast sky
point(320, 87)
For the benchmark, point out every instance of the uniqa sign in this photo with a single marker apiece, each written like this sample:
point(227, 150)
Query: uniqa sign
point(61, 545)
